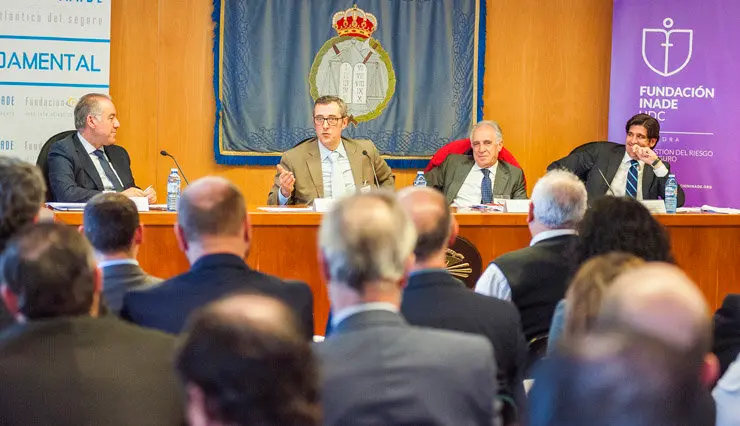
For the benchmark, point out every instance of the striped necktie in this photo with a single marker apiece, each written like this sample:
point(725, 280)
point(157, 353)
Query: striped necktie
point(631, 189)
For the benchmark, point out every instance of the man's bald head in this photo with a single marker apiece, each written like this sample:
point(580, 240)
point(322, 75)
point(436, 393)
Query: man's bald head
point(431, 215)
point(661, 300)
point(211, 206)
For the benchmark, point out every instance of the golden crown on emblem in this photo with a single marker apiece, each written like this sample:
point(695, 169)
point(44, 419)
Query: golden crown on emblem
point(355, 22)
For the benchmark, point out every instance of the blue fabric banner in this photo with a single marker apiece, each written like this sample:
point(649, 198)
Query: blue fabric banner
point(409, 70)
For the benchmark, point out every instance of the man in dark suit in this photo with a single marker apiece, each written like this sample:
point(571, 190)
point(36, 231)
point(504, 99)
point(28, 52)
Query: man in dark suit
point(376, 369)
point(468, 181)
point(727, 332)
point(434, 298)
point(535, 278)
point(23, 191)
point(88, 162)
point(214, 232)
point(62, 364)
point(111, 224)
point(632, 169)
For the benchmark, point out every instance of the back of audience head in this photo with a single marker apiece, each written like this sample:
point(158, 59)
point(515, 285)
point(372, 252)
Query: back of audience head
point(48, 271)
point(22, 193)
point(586, 291)
point(245, 362)
point(659, 299)
point(435, 226)
point(366, 245)
point(558, 201)
point(622, 224)
point(617, 377)
point(211, 213)
point(111, 224)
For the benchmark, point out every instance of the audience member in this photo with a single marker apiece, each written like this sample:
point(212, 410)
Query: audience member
point(22, 193)
point(632, 169)
point(434, 298)
point(621, 224)
point(727, 396)
point(616, 378)
point(245, 361)
point(467, 181)
point(214, 232)
point(63, 365)
point(576, 314)
point(535, 277)
point(111, 224)
point(727, 331)
point(376, 369)
point(88, 161)
point(328, 166)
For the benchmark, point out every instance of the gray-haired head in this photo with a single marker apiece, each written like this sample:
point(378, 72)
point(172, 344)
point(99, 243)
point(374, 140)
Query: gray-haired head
point(87, 105)
point(490, 123)
point(366, 238)
point(559, 200)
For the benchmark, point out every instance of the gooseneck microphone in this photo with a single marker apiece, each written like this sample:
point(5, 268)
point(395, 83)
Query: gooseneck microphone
point(606, 182)
point(164, 153)
point(377, 182)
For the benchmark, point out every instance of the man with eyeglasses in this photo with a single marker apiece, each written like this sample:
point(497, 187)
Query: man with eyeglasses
point(328, 166)
point(632, 169)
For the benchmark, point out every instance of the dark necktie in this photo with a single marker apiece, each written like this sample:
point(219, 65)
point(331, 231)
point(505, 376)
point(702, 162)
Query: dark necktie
point(108, 170)
point(631, 189)
point(486, 188)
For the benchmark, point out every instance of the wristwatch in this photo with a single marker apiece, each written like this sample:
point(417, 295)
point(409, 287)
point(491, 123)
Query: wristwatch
point(656, 162)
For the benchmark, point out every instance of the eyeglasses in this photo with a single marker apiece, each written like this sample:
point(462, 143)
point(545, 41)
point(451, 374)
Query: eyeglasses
point(332, 121)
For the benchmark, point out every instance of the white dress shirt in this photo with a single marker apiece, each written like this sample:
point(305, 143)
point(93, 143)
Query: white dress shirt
point(326, 166)
point(727, 396)
point(470, 192)
point(107, 184)
point(105, 263)
point(493, 282)
point(619, 183)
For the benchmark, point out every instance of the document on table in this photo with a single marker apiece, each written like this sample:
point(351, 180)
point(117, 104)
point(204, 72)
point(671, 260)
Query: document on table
point(283, 209)
point(67, 207)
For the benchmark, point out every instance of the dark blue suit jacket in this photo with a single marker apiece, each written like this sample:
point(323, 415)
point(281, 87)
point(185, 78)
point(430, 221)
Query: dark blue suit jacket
point(166, 306)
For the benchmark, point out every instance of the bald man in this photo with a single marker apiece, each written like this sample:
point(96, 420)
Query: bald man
point(434, 298)
point(227, 365)
point(214, 232)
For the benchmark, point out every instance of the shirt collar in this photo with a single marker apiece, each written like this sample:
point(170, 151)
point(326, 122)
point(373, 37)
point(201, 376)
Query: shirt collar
point(476, 167)
point(88, 147)
point(324, 152)
point(104, 263)
point(544, 235)
point(363, 307)
point(627, 159)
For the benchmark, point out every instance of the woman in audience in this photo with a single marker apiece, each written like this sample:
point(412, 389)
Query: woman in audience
point(575, 315)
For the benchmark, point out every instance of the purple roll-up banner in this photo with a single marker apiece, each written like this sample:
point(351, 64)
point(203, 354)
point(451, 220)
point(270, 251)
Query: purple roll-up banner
point(679, 61)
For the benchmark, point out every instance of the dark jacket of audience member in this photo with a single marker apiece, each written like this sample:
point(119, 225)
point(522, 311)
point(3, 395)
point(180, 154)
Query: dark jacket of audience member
point(727, 332)
point(65, 366)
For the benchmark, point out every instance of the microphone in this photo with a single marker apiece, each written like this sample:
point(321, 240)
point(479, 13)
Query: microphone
point(606, 182)
point(377, 182)
point(164, 153)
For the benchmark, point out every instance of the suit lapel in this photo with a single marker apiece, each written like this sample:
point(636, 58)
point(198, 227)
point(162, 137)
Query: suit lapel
point(120, 171)
point(460, 171)
point(313, 162)
point(355, 161)
point(501, 179)
point(647, 180)
point(615, 159)
point(87, 164)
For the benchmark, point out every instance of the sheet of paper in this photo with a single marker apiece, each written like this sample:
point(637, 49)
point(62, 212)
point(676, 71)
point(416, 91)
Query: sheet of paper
point(66, 206)
point(284, 209)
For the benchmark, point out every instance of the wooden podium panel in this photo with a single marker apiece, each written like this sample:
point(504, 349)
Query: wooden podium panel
point(706, 246)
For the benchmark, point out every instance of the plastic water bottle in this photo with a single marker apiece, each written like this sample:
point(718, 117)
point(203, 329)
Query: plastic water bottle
point(671, 194)
point(420, 180)
point(173, 190)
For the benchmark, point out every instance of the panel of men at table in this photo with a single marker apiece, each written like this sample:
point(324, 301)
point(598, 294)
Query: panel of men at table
point(699, 241)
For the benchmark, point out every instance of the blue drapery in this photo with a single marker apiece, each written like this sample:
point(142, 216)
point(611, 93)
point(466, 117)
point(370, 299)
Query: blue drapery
point(264, 51)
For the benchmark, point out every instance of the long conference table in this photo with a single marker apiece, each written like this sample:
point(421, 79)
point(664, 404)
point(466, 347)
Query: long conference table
point(706, 246)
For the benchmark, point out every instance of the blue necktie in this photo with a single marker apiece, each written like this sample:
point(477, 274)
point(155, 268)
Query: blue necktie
point(108, 170)
point(631, 189)
point(485, 187)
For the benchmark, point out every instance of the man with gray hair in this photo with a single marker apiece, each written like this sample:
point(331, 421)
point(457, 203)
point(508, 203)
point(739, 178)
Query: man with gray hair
point(467, 181)
point(376, 369)
point(535, 277)
point(88, 162)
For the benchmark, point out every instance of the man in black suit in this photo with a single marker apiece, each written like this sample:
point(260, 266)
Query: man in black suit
point(62, 364)
point(375, 367)
point(88, 162)
point(535, 278)
point(214, 232)
point(727, 331)
point(111, 224)
point(434, 298)
point(621, 165)
point(23, 192)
